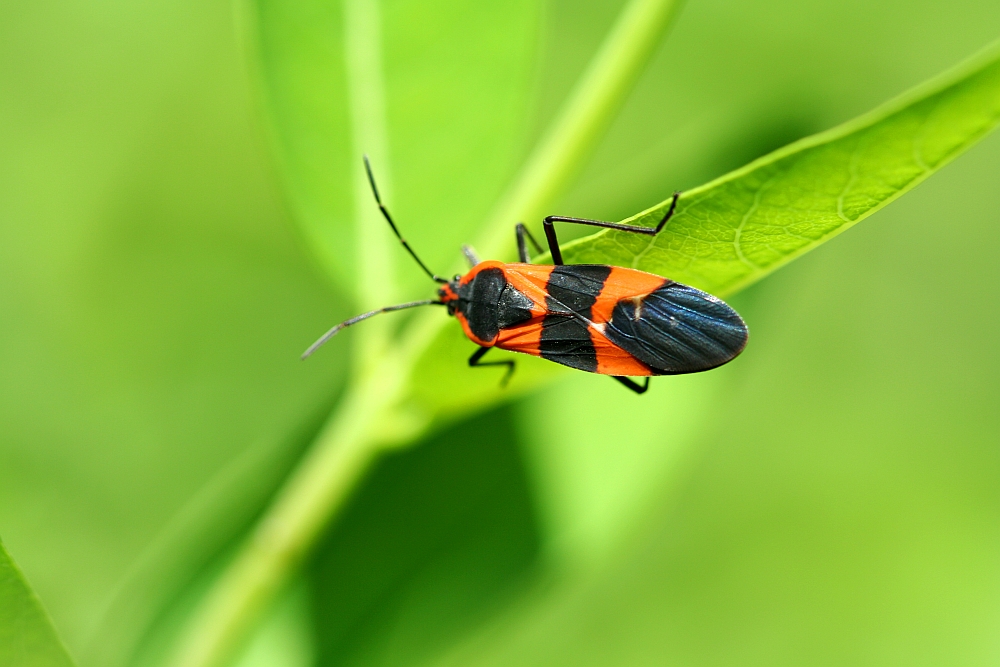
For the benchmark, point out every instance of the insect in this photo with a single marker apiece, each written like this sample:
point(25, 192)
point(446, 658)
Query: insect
point(603, 319)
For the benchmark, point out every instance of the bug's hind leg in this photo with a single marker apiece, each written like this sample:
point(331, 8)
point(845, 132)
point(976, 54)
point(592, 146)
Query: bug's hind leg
point(474, 361)
point(632, 384)
point(522, 249)
point(550, 229)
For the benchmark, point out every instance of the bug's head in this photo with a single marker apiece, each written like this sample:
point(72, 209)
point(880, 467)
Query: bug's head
point(450, 294)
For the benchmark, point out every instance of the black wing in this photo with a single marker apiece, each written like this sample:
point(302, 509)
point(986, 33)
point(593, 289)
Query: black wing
point(572, 292)
point(677, 329)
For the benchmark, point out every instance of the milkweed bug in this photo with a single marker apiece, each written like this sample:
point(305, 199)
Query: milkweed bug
point(593, 317)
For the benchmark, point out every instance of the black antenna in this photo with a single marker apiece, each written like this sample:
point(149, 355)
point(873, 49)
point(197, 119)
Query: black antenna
point(371, 179)
point(354, 320)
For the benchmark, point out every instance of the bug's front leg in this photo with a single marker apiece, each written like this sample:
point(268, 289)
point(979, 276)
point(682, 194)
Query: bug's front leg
point(474, 361)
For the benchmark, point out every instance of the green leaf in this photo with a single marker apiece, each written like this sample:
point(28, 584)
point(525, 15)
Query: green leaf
point(154, 304)
point(739, 228)
point(27, 638)
point(356, 434)
point(432, 544)
point(839, 505)
point(455, 93)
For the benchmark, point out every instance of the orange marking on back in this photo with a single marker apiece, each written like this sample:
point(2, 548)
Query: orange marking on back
point(623, 284)
point(525, 337)
point(530, 280)
point(474, 271)
point(612, 360)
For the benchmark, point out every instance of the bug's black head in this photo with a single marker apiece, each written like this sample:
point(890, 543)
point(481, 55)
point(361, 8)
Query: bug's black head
point(455, 295)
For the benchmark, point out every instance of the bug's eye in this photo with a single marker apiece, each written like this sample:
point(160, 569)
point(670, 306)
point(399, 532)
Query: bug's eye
point(456, 278)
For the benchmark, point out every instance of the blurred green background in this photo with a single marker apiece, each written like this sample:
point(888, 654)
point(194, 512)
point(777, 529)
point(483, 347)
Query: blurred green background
point(830, 498)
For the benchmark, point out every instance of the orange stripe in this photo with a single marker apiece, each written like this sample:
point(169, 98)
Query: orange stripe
point(526, 337)
point(612, 360)
point(474, 271)
point(531, 281)
point(623, 284)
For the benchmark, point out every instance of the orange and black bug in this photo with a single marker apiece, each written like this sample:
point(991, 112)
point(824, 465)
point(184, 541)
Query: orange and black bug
point(592, 317)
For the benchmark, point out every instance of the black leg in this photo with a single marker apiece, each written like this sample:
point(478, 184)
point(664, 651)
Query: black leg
point(634, 386)
point(478, 354)
point(522, 249)
point(550, 230)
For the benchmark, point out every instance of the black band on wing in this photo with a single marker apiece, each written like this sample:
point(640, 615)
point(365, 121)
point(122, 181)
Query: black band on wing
point(572, 292)
point(677, 329)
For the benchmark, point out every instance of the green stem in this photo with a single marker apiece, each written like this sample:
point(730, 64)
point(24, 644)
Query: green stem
point(582, 121)
point(348, 446)
point(372, 245)
point(319, 485)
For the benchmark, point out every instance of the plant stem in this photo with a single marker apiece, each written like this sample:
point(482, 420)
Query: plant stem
point(372, 250)
point(347, 446)
point(582, 120)
point(319, 485)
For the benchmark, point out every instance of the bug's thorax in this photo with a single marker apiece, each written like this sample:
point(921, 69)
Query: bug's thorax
point(485, 302)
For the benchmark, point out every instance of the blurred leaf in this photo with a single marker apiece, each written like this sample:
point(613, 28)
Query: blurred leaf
point(595, 478)
point(133, 624)
point(799, 536)
point(458, 87)
point(154, 305)
point(27, 638)
point(285, 637)
point(435, 541)
point(735, 230)
point(444, 386)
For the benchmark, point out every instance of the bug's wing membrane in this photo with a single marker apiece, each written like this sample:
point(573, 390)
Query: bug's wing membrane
point(677, 329)
point(566, 340)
